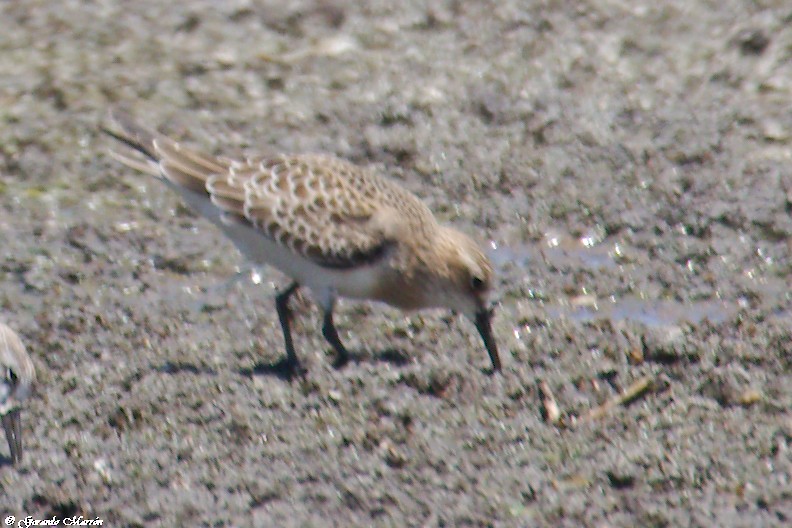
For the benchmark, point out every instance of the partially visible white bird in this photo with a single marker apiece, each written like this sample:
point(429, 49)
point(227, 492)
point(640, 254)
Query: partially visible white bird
point(17, 376)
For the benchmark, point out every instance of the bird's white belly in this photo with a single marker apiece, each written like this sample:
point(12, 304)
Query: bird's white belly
point(326, 283)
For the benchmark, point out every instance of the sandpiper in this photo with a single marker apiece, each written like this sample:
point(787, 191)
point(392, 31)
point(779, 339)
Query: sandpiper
point(18, 376)
point(339, 229)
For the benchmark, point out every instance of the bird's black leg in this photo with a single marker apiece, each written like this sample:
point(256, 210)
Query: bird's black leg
point(290, 363)
point(330, 333)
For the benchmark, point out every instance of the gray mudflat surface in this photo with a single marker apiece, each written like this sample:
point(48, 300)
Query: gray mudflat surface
point(628, 164)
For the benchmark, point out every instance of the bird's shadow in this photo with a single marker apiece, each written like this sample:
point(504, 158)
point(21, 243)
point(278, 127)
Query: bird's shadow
point(282, 369)
point(393, 356)
point(178, 367)
point(288, 371)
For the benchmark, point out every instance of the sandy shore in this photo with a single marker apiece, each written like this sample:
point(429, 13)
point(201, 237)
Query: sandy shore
point(628, 165)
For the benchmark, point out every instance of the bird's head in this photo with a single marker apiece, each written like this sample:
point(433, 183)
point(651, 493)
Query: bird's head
point(468, 277)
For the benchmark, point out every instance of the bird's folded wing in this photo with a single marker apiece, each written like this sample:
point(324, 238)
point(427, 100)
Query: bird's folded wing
point(319, 206)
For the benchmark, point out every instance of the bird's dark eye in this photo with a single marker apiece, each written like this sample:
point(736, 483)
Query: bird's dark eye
point(477, 283)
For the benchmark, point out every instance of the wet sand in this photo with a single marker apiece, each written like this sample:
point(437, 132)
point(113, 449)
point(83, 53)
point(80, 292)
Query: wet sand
point(627, 165)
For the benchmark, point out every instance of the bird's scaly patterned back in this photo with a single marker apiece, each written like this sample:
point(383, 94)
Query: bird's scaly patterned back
point(287, 197)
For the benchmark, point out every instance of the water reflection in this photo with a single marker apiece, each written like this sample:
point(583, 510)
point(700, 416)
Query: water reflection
point(590, 252)
point(648, 312)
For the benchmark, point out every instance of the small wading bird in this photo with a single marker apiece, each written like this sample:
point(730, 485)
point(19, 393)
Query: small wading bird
point(339, 229)
point(18, 376)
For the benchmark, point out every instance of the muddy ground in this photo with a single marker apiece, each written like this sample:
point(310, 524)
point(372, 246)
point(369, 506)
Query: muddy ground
point(626, 163)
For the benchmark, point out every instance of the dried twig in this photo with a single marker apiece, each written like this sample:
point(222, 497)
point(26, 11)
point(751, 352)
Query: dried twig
point(552, 414)
point(633, 392)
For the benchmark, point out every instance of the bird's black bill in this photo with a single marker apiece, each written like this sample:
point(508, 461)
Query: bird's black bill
point(484, 326)
point(12, 425)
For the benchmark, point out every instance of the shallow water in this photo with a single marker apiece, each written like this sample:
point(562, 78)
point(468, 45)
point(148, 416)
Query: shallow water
point(653, 313)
